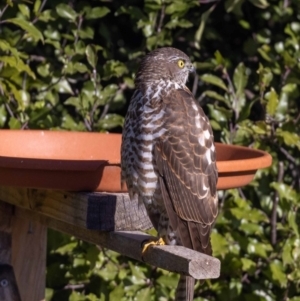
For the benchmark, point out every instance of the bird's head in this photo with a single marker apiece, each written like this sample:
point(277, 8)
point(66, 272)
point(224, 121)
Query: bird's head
point(169, 64)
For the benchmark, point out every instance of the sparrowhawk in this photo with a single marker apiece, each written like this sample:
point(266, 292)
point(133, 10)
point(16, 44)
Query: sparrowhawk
point(168, 155)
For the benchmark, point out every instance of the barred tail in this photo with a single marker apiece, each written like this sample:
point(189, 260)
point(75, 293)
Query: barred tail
point(185, 289)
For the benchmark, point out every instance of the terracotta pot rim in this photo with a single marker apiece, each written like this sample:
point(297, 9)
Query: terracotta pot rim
point(84, 161)
point(260, 159)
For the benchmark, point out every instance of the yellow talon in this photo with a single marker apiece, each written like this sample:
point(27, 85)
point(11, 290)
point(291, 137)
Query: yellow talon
point(147, 244)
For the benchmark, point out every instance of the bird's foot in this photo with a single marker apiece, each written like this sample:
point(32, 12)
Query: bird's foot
point(147, 244)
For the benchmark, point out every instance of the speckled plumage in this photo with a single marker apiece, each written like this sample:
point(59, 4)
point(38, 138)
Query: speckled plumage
point(168, 156)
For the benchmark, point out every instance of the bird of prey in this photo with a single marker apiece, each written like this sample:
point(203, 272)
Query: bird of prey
point(168, 156)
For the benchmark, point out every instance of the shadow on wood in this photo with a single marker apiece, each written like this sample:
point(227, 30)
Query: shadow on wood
point(8, 286)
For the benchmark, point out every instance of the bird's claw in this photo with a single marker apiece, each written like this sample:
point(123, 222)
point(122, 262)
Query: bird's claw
point(148, 243)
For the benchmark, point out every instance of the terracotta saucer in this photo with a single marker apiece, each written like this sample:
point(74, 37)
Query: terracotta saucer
point(78, 161)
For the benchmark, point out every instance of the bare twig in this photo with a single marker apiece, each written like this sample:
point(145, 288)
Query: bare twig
point(208, 1)
point(37, 58)
point(231, 91)
point(104, 111)
point(161, 19)
point(195, 84)
point(51, 85)
point(288, 156)
point(24, 125)
point(122, 88)
point(275, 204)
point(245, 278)
point(221, 203)
point(297, 119)
point(3, 10)
point(40, 9)
point(241, 193)
point(78, 28)
point(285, 75)
point(286, 3)
point(11, 113)
point(74, 286)
point(42, 5)
point(87, 125)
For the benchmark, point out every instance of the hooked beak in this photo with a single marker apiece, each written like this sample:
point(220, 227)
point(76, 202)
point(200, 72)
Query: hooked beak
point(191, 68)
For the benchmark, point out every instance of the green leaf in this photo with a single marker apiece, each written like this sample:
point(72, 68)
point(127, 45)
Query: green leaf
point(245, 111)
point(253, 215)
point(265, 76)
point(62, 86)
point(14, 124)
point(260, 3)
point(27, 26)
point(18, 64)
point(47, 15)
point(289, 138)
point(177, 7)
point(259, 248)
point(287, 252)
point(117, 293)
point(3, 115)
point(260, 128)
point(234, 6)
point(277, 273)
point(86, 33)
point(69, 123)
point(248, 265)
point(214, 80)
point(91, 54)
point(24, 10)
point(97, 13)
point(219, 58)
point(73, 101)
point(80, 67)
point(168, 281)
point(292, 222)
point(143, 294)
point(240, 79)
point(36, 7)
point(175, 22)
point(199, 32)
point(215, 95)
point(5, 46)
point(272, 102)
point(114, 68)
point(219, 244)
point(111, 121)
point(65, 11)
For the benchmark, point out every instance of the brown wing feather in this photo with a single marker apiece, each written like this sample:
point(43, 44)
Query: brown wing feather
point(187, 178)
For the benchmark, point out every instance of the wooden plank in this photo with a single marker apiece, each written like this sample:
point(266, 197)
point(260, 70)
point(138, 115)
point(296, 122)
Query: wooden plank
point(8, 288)
point(29, 241)
point(103, 211)
point(172, 258)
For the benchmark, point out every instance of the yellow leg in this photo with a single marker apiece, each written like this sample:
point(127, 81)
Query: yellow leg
point(147, 244)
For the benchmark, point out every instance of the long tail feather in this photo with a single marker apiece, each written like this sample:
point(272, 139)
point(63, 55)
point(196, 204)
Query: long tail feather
point(185, 289)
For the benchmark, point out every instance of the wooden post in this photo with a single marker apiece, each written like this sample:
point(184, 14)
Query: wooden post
point(8, 286)
point(22, 257)
point(29, 241)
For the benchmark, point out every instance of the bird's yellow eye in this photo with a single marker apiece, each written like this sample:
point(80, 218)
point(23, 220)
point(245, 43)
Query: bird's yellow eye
point(180, 64)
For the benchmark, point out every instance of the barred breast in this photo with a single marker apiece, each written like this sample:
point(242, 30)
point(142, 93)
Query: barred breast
point(143, 124)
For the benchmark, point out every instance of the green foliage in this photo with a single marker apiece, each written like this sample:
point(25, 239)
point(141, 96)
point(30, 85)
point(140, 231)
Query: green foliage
point(71, 66)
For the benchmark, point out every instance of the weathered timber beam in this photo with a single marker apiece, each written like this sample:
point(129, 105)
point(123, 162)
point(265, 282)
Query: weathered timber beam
point(172, 258)
point(101, 211)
